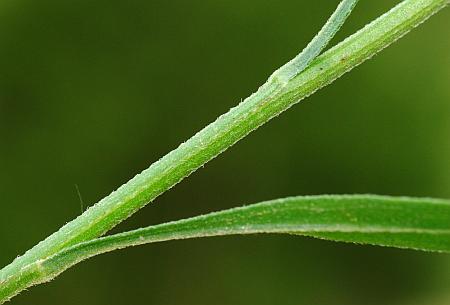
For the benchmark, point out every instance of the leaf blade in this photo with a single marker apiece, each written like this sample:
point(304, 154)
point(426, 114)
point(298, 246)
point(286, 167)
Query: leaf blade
point(403, 222)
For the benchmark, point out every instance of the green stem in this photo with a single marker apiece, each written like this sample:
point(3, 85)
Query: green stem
point(270, 100)
point(181, 162)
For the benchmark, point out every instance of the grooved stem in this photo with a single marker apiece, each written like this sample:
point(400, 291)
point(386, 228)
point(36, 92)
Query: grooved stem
point(270, 100)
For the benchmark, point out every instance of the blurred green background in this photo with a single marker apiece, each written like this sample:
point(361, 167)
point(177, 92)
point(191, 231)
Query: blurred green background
point(93, 91)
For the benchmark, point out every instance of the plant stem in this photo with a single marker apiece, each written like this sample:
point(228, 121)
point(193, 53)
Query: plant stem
point(270, 100)
point(178, 164)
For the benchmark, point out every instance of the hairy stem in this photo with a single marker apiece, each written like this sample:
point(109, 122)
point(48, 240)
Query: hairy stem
point(178, 164)
point(270, 100)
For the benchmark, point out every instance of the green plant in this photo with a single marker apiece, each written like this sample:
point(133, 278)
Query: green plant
point(362, 219)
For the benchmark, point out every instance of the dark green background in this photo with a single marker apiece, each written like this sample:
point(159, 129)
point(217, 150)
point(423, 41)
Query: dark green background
point(93, 91)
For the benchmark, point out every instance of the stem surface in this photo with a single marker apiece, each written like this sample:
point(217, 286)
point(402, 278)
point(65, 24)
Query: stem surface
point(270, 100)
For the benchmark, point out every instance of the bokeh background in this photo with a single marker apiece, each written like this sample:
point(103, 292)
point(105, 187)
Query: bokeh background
point(92, 92)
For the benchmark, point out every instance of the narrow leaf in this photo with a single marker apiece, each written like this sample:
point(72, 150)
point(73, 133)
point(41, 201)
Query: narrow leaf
point(402, 222)
point(317, 44)
point(413, 223)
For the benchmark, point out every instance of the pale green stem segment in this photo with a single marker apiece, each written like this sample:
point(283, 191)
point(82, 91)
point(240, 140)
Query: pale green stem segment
point(317, 44)
point(270, 100)
point(402, 222)
point(178, 164)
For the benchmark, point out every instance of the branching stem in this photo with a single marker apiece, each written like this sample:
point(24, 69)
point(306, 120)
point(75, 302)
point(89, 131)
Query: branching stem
point(272, 98)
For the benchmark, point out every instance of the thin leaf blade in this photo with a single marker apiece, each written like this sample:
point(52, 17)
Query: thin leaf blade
point(402, 222)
